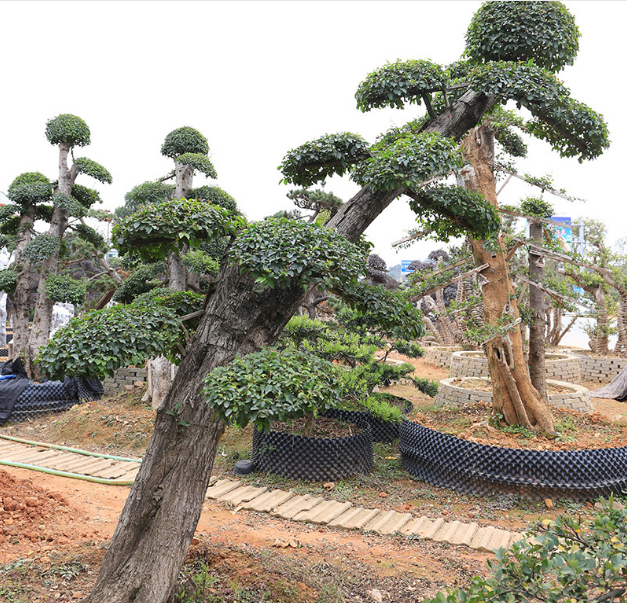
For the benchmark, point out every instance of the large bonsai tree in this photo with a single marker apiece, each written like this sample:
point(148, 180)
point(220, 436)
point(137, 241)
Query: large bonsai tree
point(61, 204)
point(242, 315)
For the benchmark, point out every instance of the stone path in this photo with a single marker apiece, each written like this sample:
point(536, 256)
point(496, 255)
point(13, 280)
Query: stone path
point(315, 509)
point(279, 503)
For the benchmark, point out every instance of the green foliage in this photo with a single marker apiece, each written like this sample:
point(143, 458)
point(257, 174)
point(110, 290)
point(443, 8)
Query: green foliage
point(68, 203)
point(408, 161)
point(392, 312)
point(40, 248)
point(30, 188)
point(426, 386)
point(328, 155)
point(534, 206)
point(316, 200)
point(571, 128)
point(381, 409)
point(301, 328)
point(86, 196)
point(65, 289)
point(199, 262)
point(10, 226)
point(141, 280)
point(148, 193)
point(155, 230)
point(511, 142)
point(568, 560)
point(145, 329)
point(8, 279)
point(272, 386)
point(67, 128)
point(184, 140)
point(281, 251)
point(8, 211)
point(520, 31)
point(466, 211)
point(398, 83)
point(89, 167)
point(198, 162)
point(214, 194)
point(92, 236)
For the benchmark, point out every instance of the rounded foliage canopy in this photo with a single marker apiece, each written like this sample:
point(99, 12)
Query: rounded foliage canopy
point(277, 251)
point(520, 31)
point(272, 386)
point(157, 229)
point(30, 188)
point(92, 168)
point(398, 83)
point(328, 155)
point(184, 140)
point(68, 128)
point(466, 211)
point(198, 162)
point(65, 289)
point(216, 195)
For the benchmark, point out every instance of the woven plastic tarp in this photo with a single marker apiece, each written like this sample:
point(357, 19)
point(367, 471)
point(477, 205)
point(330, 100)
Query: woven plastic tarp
point(443, 460)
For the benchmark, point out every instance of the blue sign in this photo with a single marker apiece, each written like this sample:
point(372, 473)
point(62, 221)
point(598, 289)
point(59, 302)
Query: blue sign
point(405, 267)
point(563, 234)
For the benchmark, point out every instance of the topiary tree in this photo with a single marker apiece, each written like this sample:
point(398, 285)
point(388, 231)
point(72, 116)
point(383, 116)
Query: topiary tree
point(61, 204)
point(258, 291)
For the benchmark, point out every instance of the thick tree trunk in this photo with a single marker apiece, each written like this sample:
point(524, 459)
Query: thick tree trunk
point(537, 328)
point(164, 505)
point(515, 398)
point(40, 328)
point(621, 345)
point(21, 297)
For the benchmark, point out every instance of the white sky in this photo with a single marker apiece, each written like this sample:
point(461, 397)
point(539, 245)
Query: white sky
point(259, 78)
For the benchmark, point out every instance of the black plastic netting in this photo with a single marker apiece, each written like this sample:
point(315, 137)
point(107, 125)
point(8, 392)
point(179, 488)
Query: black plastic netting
point(52, 396)
point(382, 431)
point(313, 459)
point(450, 462)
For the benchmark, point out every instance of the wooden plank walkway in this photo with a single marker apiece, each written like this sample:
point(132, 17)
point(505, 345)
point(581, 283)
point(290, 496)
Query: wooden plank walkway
point(101, 468)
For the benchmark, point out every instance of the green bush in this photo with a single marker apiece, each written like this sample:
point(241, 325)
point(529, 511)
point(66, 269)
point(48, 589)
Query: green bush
point(570, 560)
point(272, 386)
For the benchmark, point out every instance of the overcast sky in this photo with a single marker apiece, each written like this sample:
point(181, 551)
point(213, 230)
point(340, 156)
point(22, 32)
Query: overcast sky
point(259, 78)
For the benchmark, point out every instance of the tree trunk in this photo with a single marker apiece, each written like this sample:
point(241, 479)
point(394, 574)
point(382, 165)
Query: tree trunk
point(621, 344)
point(40, 328)
point(162, 510)
point(537, 328)
point(21, 297)
point(515, 398)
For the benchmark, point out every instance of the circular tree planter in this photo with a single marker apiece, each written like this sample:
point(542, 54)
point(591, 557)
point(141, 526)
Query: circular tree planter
point(576, 398)
point(562, 367)
point(450, 462)
point(382, 431)
point(314, 459)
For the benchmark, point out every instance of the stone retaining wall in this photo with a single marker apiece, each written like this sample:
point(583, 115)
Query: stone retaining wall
point(121, 377)
point(440, 355)
point(599, 369)
point(578, 399)
point(561, 367)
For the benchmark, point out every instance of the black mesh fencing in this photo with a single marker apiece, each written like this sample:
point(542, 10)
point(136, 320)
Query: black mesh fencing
point(39, 399)
point(382, 431)
point(450, 462)
point(314, 459)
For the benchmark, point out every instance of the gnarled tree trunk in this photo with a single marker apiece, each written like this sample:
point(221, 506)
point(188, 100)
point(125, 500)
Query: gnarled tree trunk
point(537, 328)
point(514, 395)
point(161, 513)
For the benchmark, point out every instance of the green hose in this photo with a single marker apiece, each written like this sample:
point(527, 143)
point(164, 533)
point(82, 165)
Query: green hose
point(98, 480)
point(76, 450)
point(88, 478)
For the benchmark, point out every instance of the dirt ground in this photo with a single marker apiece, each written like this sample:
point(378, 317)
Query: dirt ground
point(55, 530)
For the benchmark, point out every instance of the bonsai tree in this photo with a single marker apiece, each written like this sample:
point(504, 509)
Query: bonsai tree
point(61, 204)
point(243, 316)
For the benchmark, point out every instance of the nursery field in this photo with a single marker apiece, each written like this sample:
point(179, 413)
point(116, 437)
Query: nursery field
point(56, 529)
